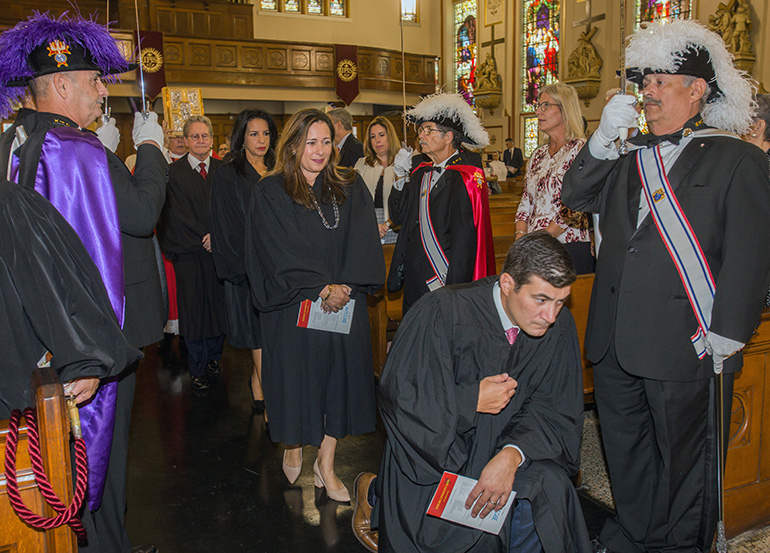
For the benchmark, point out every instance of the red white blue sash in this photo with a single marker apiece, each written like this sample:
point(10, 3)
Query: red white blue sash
point(679, 237)
point(430, 243)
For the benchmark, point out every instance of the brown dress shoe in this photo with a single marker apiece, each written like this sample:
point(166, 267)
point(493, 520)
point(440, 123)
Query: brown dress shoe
point(362, 515)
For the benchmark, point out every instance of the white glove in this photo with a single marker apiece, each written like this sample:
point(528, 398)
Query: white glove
point(109, 135)
point(147, 130)
point(618, 113)
point(402, 163)
point(720, 348)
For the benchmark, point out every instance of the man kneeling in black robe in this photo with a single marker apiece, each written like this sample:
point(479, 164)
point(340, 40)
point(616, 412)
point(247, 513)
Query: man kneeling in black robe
point(483, 380)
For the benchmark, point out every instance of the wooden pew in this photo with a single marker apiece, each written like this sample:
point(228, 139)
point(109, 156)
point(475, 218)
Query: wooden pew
point(747, 473)
point(53, 425)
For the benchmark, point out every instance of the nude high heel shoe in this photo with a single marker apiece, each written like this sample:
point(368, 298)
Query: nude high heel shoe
point(340, 495)
point(292, 473)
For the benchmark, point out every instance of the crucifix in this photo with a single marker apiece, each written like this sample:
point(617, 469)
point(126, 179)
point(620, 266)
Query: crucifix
point(492, 42)
point(589, 18)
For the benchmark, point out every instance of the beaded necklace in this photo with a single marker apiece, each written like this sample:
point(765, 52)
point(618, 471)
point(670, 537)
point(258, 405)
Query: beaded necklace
point(334, 206)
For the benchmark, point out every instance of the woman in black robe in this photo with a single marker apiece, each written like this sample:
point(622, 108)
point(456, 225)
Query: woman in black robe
point(312, 235)
point(252, 155)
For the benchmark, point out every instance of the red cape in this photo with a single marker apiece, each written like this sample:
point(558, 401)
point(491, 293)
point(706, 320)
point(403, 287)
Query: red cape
point(478, 193)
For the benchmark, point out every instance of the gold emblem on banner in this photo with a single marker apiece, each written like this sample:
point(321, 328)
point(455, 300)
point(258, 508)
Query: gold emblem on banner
point(152, 60)
point(347, 70)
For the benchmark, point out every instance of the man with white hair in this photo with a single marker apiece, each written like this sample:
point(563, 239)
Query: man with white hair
point(680, 280)
point(63, 61)
point(443, 209)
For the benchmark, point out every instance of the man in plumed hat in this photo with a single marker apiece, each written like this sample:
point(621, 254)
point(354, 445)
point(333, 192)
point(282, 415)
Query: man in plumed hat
point(62, 62)
point(443, 206)
point(680, 279)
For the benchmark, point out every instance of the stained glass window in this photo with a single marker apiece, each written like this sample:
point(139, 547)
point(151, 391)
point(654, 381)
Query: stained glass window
point(465, 47)
point(649, 10)
point(291, 6)
point(530, 136)
point(541, 48)
point(269, 5)
point(315, 7)
point(337, 7)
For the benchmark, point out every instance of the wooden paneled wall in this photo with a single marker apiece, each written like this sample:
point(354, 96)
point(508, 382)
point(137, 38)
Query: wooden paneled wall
point(193, 18)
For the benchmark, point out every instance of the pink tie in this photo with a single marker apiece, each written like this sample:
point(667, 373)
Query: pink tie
point(511, 334)
point(202, 169)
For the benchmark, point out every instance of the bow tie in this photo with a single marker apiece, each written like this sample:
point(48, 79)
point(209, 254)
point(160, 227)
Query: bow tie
point(430, 168)
point(652, 140)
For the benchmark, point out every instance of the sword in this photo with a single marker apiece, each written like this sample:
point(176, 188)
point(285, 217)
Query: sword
point(721, 544)
point(623, 131)
point(145, 110)
point(107, 110)
point(403, 85)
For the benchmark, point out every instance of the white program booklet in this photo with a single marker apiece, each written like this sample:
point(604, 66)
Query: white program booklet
point(312, 316)
point(449, 503)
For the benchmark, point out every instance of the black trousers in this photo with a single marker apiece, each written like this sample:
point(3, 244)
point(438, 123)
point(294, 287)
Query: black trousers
point(660, 442)
point(105, 526)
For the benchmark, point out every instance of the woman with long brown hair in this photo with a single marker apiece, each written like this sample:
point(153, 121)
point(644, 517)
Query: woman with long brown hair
point(312, 246)
point(381, 145)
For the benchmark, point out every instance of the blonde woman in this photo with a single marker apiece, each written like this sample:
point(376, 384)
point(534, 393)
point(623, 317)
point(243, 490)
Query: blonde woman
point(376, 168)
point(559, 118)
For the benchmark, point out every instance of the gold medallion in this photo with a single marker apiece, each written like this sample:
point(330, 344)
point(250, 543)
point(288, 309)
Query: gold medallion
point(152, 60)
point(347, 70)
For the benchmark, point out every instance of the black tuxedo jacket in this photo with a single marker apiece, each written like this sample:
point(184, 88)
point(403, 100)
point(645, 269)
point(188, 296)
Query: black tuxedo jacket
point(352, 150)
point(514, 160)
point(638, 298)
point(140, 199)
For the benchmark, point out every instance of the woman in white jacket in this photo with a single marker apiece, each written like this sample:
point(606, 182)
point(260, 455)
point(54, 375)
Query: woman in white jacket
point(376, 168)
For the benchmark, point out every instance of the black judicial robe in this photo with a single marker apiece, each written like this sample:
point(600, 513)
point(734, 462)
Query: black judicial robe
point(52, 298)
point(449, 341)
point(315, 382)
point(185, 220)
point(230, 195)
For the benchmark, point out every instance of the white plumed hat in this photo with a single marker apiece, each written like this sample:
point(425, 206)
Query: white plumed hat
point(451, 110)
point(685, 47)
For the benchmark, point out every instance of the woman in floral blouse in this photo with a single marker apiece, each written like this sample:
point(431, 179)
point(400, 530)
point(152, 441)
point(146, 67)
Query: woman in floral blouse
point(559, 118)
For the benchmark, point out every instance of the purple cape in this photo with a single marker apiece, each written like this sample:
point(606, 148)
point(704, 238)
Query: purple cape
point(73, 174)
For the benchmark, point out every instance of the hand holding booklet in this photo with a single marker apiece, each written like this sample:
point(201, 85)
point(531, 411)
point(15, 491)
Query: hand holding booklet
point(449, 503)
point(311, 315)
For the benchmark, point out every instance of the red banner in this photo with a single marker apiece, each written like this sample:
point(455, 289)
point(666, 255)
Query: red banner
point(153, 66)
point(346, 72)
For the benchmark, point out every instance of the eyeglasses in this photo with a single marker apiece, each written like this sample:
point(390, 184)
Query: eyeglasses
point(425, 130)
point(197, 137)
point(543, 106)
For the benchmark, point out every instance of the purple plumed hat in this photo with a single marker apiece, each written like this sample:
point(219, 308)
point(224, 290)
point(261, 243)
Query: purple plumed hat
point(42, 45)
